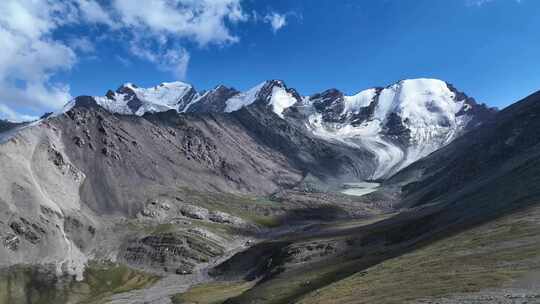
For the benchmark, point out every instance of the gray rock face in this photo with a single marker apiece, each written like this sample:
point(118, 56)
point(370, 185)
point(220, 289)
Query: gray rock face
point(213, 101)
point(388, 128)
point(173, 211)
point(68, 173)
point(194, 212)
point(176, 252)
point(166, 150)
point(224, 218)
point(32, 232)
point(398, 124)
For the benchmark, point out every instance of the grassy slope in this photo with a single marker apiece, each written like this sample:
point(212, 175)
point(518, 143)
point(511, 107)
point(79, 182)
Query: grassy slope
point(304, 277)
point(489, 256)
point(24, 285)
point(212, 293)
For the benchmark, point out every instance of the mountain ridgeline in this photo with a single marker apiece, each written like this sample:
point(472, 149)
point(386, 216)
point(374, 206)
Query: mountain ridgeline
point(389, 128)
point(171, 180)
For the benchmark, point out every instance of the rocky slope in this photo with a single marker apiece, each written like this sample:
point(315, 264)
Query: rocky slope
point(73, 177)
point(465, 231)
point(130, 99)
point(126, 178)
point(397, 124)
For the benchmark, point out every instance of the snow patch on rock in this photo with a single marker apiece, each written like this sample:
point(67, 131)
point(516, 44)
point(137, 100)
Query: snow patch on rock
point(353, 104)
point(426, 108)
point(244, 99)
point(164, 97)
point(279, 98)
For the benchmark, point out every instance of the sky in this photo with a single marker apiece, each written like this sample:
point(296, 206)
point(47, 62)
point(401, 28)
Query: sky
point(53, 50)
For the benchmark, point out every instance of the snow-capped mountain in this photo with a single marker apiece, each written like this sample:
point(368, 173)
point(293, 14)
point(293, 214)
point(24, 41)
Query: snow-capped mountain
point(130, 99)
point(399, 124)
point(273, 93)
point(213, 101)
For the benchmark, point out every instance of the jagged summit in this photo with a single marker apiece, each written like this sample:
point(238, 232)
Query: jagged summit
point(130, 99)
point(273, 92)
point(398, 124)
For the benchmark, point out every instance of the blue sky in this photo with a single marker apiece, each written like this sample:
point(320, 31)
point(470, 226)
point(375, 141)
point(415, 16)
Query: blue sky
point(54, 50)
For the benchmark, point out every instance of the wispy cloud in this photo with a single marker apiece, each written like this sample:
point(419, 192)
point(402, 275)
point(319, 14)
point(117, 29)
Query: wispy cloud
point(31, 54)
point(203, 21)
point(82, 44)
point(175, 60)
point(157, 31)
point(124, 61)
point(484, 2)
point(7, 113)
point(277, 21)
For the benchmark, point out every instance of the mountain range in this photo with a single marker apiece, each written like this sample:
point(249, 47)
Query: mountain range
point(181, 186)
point(398, 124)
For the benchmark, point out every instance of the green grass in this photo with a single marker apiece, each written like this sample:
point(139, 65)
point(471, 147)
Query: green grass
point(252, 209)
point(103, 281)
point(266, 221)
point(488, 256)
point(26, 285)
point(212, 293)
point(301, 279)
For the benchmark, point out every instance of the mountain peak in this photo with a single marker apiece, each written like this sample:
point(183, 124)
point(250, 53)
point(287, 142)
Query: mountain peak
point(399, 123)
point(131, 99)
point(274, 93)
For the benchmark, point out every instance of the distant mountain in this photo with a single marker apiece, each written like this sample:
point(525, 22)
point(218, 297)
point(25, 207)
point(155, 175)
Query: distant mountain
point(149, 177)
point(469, 208)
point(130, 99)
point(398, 124)
point(497, 163)
point(7, 125)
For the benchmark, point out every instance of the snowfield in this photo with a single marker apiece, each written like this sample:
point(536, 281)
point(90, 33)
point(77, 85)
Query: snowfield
point(164, 97)
point(426, 110)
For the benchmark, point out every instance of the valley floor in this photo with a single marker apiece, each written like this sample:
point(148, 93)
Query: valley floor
point(318, 259)
point(497, 262)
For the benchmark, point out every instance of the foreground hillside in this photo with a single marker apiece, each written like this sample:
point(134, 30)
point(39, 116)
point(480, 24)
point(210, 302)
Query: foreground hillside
point(497, 262)
point(473, 239)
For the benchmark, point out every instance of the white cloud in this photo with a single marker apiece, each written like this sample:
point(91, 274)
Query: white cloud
point(30, 56)
point(203, 21)
point(157, 31)
point(276, 21)
point(82, 44)
point(7, 113)
point(173, 60)
point(124, 61)
point(92, 12)
point(477, 2)
point(177, 62)
point(157, 27)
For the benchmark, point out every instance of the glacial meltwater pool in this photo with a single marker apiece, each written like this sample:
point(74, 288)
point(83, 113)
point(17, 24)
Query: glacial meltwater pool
point(359, 188)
